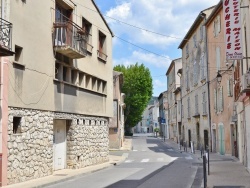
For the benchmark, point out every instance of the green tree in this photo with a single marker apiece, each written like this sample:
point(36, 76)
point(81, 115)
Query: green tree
point(138, 90)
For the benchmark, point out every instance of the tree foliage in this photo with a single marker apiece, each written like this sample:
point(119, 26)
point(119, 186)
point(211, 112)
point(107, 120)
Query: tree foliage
point(138, 90)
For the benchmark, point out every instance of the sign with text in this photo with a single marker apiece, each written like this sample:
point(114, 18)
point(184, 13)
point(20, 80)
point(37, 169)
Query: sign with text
point(231, 10)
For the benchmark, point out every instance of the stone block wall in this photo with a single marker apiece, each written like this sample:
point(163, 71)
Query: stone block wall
point(30, 153)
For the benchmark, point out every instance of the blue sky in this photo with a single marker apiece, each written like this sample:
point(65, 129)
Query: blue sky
point(171, 18)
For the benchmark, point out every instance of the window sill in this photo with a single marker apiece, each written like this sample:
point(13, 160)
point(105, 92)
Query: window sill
point(101, 59)
point(19, 64)
point(203, 80)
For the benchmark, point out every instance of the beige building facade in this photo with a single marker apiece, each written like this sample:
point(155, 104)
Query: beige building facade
point(224, 135)
point(194, 87)
point(173, 102)
point(60, 91)
point(116, 126)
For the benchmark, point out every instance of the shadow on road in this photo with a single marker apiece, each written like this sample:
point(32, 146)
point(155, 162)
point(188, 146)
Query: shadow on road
point(136, 183)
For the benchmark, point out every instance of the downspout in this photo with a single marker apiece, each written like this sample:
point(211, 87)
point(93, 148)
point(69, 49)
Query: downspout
point(208, 93)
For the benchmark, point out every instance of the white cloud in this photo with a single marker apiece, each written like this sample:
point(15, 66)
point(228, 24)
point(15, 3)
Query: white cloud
point(147, 59)
point(168, 17)
point(120, 12)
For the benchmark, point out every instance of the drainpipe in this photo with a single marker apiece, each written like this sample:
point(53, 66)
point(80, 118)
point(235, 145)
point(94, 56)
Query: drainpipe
point(208, 93)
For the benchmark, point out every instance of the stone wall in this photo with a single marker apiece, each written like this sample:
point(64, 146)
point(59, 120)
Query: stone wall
point(30, 153)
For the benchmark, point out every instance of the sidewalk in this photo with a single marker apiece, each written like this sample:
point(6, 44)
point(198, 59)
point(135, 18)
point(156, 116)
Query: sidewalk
point(225, 171)
point(67, 174)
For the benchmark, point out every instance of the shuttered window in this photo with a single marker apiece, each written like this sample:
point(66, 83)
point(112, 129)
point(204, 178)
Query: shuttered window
point(188, 108)
point(218, 99)
point(196, 105)
point(230, 87)
point(217, 58)
point(215, 100)
point(221, 104)
point(195, 73)
point(204, 103)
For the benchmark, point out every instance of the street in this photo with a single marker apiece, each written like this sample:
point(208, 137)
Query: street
point(151, 163)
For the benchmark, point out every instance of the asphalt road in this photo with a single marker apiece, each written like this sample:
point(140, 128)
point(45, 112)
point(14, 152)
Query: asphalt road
point(151, 163)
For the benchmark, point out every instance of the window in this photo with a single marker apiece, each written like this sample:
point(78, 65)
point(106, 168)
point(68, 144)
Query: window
point(187, 79)
point(218, 99)
point(217, 26)
point(195, 41)
point(94, 84)
point(230, 87)
point(179, 107)
point(202, 65)
point(18, 54)
point(58, 71)
point(65, 74)
point(81, 79)
point(195, 75)
point(188, 107)
point(17, 125)
point(204, 103)
point(87, 28)
point(74, 77)
point(196, 105)
point(102, 47)
point(88, 81)
point(217, 58)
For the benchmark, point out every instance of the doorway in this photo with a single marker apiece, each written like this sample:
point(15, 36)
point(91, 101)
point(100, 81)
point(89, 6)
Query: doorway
point(198, 135)
point(206, 139)
point(214, 140)
point(221, 139)
point(59, 144)
point(234, 140)
point(189, 137)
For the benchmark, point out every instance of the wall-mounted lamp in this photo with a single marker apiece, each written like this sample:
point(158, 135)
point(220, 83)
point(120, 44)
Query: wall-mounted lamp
point(219, 76)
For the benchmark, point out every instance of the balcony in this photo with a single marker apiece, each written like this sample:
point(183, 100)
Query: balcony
point(245, 83)
point(5, 38)
point(70, 40)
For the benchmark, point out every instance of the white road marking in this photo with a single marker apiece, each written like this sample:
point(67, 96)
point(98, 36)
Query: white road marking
point(129, 161)
point(135, 150)
point(144, 160)
point(170, 150)
point(160, 159)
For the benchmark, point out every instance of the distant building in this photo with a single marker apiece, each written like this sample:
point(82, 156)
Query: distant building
point(116, 126)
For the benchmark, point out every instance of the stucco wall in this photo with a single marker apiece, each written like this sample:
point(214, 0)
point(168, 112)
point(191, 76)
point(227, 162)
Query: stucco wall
point(32, 84)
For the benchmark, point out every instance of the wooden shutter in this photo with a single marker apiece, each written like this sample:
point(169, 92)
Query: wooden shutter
point(218, 58)
point(219, 24)
point(221, 99)
point(215, 100)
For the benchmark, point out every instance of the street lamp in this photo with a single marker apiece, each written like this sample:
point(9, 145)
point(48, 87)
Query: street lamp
point(219, 77)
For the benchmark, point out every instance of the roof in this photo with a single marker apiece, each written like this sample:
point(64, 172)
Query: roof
point(196, 23)
point(171, 65)
point(217, 8)
point(103, 18)
point(118, 74)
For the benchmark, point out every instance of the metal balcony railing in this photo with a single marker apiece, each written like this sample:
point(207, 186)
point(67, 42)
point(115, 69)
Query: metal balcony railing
point(5, 38)
point(70, 40)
